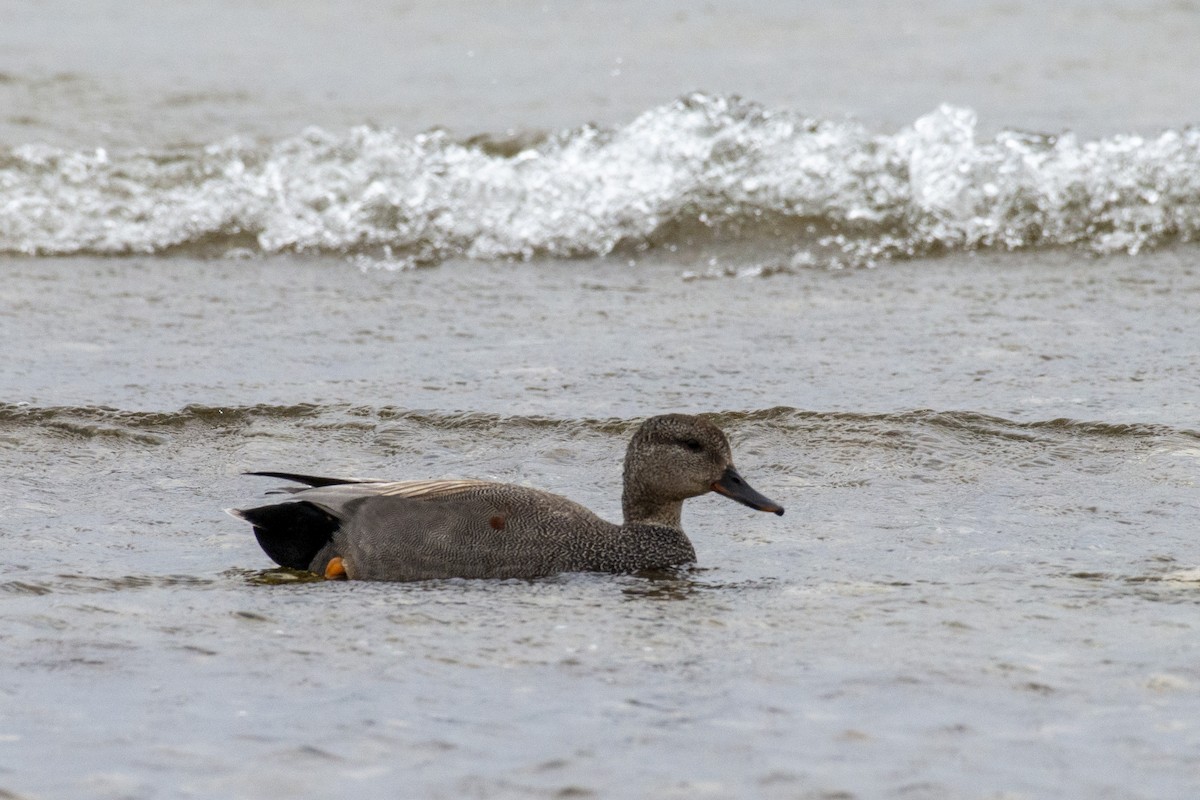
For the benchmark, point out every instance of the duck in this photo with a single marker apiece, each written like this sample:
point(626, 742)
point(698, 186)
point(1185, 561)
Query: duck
point(412, 530)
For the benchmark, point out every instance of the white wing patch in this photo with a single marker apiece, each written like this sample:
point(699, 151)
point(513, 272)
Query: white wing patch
point(435, 488)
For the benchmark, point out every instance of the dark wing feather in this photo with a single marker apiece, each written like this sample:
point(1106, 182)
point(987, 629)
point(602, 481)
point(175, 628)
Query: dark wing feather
point(310, 480)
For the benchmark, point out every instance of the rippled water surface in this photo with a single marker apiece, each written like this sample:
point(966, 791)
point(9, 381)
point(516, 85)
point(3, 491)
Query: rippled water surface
point(932, 268)
point(986, 580)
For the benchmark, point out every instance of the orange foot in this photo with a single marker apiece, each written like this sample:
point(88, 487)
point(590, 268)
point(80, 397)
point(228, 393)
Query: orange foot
point(335, 569)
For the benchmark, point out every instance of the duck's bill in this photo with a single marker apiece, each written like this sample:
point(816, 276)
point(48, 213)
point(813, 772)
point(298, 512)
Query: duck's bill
point(734, 486)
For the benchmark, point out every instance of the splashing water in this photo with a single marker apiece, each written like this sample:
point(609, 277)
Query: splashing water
point(702, 167)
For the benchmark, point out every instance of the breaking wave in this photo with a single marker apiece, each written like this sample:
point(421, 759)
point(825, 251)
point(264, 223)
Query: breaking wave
point(88, 422)
point(703, 168)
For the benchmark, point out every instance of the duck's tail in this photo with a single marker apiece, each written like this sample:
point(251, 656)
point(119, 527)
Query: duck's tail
point(291, 534)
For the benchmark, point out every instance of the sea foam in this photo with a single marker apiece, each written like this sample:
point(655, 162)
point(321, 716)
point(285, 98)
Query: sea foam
point(704, 167)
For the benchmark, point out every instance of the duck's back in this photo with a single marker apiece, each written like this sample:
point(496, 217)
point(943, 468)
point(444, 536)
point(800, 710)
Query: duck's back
point(414, 530)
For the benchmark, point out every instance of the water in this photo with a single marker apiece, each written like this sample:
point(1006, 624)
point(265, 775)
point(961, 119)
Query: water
point(941, 296)
point(700, 167)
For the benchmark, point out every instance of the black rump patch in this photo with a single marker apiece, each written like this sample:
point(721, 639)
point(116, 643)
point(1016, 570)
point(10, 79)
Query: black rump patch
point(291, 534)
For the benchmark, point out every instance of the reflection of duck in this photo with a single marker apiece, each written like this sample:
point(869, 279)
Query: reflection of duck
point(416, 530)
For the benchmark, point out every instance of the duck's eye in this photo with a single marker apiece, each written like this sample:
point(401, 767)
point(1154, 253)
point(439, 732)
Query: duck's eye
point(692, 444)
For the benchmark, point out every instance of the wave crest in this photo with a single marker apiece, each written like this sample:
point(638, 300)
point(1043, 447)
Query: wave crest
point(703, 166)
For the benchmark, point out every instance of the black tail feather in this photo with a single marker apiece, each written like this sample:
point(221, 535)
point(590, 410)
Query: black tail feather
point(311, 480)
point(291, 534)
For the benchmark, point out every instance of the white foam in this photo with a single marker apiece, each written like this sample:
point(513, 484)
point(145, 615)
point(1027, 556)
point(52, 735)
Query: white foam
point(715, 166)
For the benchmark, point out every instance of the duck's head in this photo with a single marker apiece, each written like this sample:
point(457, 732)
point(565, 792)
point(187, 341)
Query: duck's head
point(676, 456)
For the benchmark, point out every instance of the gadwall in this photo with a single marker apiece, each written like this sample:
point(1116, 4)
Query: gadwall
point(418, 530)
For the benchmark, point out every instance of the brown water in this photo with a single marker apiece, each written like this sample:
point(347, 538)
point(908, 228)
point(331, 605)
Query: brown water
point(987, 580)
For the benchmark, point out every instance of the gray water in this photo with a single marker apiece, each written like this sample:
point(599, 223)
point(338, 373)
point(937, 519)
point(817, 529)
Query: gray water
point(958, 343)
